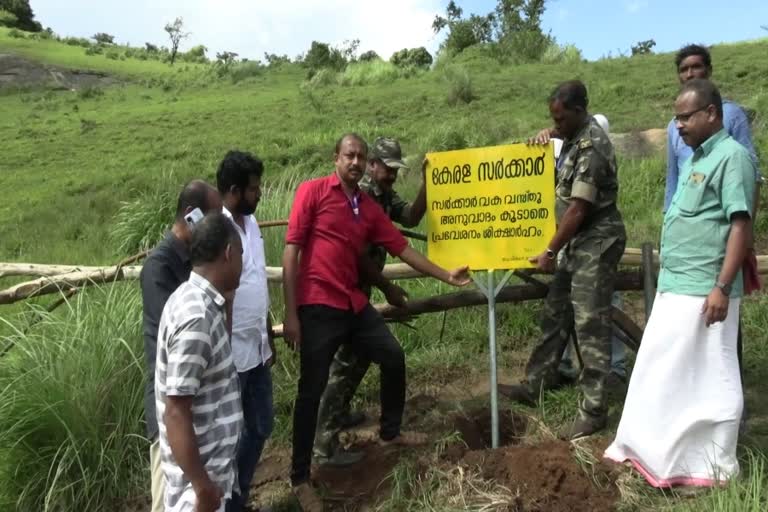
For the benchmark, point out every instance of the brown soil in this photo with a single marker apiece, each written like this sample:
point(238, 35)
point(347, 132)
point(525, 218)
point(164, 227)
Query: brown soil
point(546, 478)
point(475, 428)
point(360, 483)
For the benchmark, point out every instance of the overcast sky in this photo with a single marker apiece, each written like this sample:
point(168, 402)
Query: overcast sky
point(252, 27)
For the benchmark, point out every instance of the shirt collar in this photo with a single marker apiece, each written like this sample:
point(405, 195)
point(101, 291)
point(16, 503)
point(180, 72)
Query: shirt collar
point(708, 145)
point(206, 286)
point(336, 181)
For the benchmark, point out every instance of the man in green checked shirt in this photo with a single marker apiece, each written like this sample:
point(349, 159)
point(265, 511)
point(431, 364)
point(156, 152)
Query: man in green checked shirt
point(348, 369)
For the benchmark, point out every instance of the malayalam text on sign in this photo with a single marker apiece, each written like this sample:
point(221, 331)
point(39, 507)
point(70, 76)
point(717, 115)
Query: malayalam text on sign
point(492, 207)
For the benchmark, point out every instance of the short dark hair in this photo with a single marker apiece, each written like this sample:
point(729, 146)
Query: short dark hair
point(236, 169)
point(693, 49)
point(210, 238)
point(351, 135)
point(193, 195)
point(706, 92)
point(572, 94)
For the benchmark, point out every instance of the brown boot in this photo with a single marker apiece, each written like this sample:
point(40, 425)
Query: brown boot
point(584, 425)
point(518, 393)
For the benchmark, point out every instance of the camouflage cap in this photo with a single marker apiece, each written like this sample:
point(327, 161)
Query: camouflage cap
point(388, 151)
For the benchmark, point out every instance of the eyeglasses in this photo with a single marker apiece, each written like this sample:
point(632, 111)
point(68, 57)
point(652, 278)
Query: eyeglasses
point(686, 116)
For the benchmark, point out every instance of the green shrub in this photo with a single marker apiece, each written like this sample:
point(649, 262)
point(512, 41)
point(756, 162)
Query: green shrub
point(94, 50)
point(77, 41)
point(16, 34)
point(414, 57)
point(112, 54)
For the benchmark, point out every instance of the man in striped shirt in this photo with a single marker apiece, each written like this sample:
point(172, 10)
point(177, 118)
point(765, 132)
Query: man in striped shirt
point(199, 411)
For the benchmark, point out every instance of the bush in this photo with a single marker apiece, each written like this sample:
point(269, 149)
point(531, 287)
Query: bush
point(414, 57)
point(195, 54)
point(94, 50)
point(71, 436)
point(369, 56)
point(321, 56)
point(244, 70)
point(77, 41)
point(112, 54)
point(103, 38)
point(460, 88)
point(16, 34)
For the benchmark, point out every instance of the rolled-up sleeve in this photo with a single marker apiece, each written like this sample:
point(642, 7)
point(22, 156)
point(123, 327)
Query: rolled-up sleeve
point(738, 184)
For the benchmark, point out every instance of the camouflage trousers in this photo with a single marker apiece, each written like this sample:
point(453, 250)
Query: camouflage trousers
point(579, 297)
point(346, 373)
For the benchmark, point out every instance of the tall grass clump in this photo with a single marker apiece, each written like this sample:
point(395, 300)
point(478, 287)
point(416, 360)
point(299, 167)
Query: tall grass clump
point(374, 72)
point(140, 223)
point(556, 54)
point(460, 88)
point(71, 403)
point(244, 70)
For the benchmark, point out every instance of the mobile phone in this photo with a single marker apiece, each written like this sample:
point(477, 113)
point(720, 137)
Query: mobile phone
point(193, 217)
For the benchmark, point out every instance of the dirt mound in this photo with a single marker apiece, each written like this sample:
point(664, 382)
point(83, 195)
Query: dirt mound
point(547, 478)
point(640, 143)
point(19, 72)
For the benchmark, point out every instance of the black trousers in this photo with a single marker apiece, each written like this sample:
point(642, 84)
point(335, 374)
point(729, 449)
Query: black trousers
point(323, 331)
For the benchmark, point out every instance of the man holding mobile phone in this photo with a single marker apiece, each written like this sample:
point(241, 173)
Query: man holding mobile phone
point(166, 267)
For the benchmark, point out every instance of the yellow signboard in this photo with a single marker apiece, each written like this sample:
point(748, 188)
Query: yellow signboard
point(490, 208)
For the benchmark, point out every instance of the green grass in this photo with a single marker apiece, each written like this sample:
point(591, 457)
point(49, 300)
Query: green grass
point(91, 176)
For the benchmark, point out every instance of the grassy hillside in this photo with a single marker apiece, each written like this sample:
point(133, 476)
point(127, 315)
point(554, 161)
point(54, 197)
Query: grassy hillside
point(87, 175)
point(72, 157)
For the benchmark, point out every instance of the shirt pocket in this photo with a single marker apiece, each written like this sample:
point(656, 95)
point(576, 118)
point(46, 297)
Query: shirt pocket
point(692, 195)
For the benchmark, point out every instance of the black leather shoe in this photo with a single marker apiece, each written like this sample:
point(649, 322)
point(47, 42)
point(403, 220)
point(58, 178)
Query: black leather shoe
point(518, 393)
point(352, 419)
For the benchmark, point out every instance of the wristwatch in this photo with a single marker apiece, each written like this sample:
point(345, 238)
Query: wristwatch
point(550, 253)
point(725, 288)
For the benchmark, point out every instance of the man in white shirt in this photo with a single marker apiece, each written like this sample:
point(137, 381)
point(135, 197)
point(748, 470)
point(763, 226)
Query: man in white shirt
point(239, 182)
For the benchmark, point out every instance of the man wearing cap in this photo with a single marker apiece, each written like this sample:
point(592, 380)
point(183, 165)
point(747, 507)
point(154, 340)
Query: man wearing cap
point(348, 368)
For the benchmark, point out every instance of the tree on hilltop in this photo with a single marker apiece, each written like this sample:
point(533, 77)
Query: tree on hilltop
point(21, 10)
point(103, 38)
point(176, 33)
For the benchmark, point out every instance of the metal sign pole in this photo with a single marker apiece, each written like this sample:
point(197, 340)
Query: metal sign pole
point(491, 290)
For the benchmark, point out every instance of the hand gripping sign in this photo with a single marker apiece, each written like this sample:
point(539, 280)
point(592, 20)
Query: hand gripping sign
point(492, 207)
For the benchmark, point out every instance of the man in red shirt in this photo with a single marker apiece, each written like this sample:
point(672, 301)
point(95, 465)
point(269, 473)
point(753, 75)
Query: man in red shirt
point(331, 224)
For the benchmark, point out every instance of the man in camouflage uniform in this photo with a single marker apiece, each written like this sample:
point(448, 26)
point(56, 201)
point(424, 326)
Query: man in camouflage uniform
point(591, 235)
point(348, 368)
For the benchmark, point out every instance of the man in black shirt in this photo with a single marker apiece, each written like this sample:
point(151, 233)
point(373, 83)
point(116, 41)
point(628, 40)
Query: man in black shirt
point(166, 267)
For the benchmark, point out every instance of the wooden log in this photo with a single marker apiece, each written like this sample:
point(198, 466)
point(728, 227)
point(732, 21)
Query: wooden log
point(64, 275)
point(465, 298)
point(67, 282)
